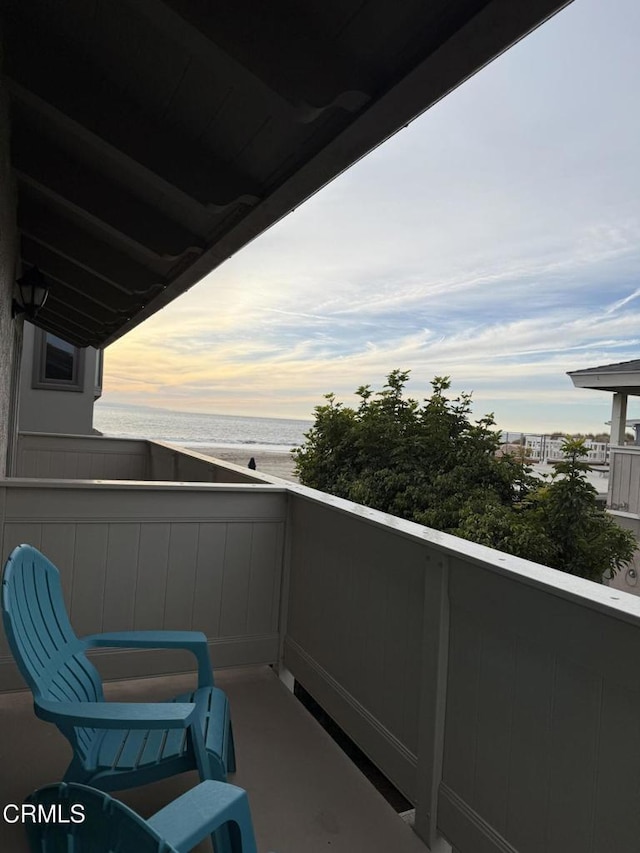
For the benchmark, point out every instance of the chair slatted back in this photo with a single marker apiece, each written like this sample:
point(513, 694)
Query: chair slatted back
point(44, 645)
point(109, 826)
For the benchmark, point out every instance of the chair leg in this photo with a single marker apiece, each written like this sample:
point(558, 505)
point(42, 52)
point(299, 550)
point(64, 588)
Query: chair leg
point(217, 770)
point(231, 751)
point(216, 809)
point(76, 773)
point(236, 835)
point(221, 840)
point(203, 761)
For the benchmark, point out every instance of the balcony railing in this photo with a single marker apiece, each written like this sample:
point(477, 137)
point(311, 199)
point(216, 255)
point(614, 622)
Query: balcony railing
point(95, 457)
point(500, 696)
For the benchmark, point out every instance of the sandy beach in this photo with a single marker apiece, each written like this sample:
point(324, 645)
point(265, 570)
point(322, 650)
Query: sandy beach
point(277, 463)
point(281, 464)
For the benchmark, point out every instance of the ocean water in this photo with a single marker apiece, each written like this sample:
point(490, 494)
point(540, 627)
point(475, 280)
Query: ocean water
point(190, 429)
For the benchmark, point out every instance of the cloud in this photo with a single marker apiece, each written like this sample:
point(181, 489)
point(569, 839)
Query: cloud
point(272, 356)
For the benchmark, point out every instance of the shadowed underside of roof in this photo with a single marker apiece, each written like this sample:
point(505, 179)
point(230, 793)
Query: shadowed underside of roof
point(151, 140)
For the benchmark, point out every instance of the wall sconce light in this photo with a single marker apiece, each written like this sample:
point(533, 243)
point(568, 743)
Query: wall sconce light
point(32, 292)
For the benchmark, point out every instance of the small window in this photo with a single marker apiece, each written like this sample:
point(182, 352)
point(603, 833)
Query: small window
point(57, 364)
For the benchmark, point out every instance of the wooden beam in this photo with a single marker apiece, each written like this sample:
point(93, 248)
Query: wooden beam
point(280, 43)
point(83, 144)
point(61, 77)
point(71, 326)
point(48, 168)
point(46, 226)
point(81, 281)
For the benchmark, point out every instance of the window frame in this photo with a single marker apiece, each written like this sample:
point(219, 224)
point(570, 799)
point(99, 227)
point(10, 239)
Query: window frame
point(99, 372)
point(39, 378)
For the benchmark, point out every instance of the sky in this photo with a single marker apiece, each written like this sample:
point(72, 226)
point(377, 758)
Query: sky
point(496, 240)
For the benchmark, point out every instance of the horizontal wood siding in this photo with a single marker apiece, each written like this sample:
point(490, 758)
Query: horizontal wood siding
point(173, 463)
point(542, 735)
point(508, 710)
point(354, 631)
point(624, 487)
point(136, 558)
point(81, 458)
point(74, 457)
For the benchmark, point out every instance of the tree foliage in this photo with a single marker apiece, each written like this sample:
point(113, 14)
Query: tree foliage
point(430, 463)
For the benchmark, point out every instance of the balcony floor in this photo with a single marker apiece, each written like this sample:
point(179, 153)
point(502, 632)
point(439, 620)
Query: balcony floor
point(305, 794)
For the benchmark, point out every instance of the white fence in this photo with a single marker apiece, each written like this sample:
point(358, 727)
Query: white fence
point(73, 457)
point(501, 697)
point(138, 556)
point(544, 448)
point(624, 480)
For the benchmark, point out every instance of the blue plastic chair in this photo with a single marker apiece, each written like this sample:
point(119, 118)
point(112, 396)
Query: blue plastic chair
point(116, 745)
point(211, 808)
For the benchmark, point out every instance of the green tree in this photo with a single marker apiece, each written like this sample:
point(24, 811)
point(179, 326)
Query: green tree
point(586, 539)
point(559, 523)
point(429, 462)
point(421, 461)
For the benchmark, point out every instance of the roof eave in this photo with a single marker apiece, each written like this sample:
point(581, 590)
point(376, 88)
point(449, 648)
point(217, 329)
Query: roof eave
point(617, 383)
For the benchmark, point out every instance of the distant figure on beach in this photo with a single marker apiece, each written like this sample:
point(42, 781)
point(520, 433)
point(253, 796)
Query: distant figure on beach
point(252, 464)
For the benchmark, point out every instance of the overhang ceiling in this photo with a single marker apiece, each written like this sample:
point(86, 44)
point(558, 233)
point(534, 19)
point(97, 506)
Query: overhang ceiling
point(152, 140)
point(623, 377)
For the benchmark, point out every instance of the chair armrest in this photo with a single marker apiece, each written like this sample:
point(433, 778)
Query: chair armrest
point(192, 641)
point(200, 812)
point(118, 715)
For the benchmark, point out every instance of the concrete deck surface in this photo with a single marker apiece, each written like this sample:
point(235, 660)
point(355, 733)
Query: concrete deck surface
point(306, 796)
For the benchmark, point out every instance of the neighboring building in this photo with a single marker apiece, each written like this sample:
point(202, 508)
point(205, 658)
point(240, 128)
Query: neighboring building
point(509, 449)
point(59, 384)
point(546, 449)
point(635, 426)
point(622, 379)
